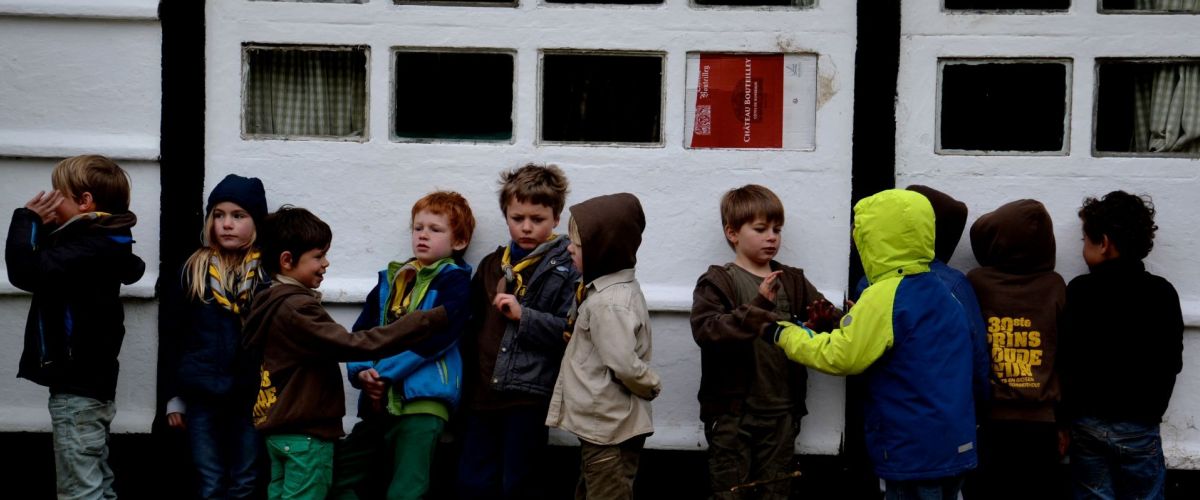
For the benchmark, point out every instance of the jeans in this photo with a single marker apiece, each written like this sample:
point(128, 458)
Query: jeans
point(225, 449)
point(503, 452)
point(1111, 460)
point(80, 425)
point(945, 488)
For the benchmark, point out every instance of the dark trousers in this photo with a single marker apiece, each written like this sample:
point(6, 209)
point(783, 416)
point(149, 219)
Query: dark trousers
point(607, 472)
point(746, 448)
point(924, 489)
point(1017, 459)
point(503, 452)
point(225, 449)
point(386, 453)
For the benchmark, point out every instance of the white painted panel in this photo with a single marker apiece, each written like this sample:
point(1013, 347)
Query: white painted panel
point(24, 408)
point(72, 77)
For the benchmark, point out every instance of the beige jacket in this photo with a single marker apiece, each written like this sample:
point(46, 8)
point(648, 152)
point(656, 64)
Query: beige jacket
point(605, 384)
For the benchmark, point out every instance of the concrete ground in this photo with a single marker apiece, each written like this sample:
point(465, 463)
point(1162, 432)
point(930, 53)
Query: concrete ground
point(155, 468)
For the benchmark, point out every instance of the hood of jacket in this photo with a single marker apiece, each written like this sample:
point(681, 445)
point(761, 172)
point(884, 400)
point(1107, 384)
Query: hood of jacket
point(949, 220)
point(263, 307)
point(610, 228)
point(126, 266)
point(894, 233)
point(1017, 238)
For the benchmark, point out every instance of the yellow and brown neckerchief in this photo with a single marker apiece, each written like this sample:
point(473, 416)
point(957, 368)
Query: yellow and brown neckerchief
point(512, 273)
point(239, 287)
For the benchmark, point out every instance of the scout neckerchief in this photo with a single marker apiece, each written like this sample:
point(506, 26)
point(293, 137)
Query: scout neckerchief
point(580, 294)
point(240, 286)
point(512, 273)
point(409, 284)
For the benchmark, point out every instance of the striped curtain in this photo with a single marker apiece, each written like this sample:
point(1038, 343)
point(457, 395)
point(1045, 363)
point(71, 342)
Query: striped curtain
point(306, 92)
point(1167, 99)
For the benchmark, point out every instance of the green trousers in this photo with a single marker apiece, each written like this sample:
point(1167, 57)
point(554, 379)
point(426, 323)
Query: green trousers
point(301, 467)
point(400, 449)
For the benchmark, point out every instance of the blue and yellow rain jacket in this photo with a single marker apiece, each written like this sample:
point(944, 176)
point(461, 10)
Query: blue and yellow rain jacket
point(909, 338)
point(420, 384)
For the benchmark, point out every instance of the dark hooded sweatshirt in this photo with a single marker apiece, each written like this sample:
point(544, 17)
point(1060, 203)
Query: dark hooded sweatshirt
point(1022, 300)
point(1120, 369)
point(301, 345)
point(76, 323)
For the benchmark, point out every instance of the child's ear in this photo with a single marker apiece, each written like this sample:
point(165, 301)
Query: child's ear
point(86, 202)
point(285, 261)
point(1108, 249)
point(459, 246)
point(731, 235)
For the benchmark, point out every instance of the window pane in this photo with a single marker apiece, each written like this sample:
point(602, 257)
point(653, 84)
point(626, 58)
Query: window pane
point(1148, 107)
point(1019, 106)
point(489, 3)
point(315, 1)
point(305, 91)
point(473, 95)
point(1008, 4)
point(601, 98)
point(1153, 6)
point(758, 3)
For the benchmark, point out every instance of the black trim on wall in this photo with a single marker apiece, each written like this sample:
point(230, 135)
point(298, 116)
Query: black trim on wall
point(182, 178)
point(876, 68)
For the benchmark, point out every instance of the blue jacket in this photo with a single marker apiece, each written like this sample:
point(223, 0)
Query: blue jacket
point(910, 338)
point(438, 376)
point(964, 293)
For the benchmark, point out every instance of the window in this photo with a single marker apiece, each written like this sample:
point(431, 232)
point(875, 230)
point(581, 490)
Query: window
point(1150, 6)
point(1148, 107)
point(757, 3)
point(622, 2)
point(1003, 105)
point(315, 1)
point(478, 3)
point(453, 95)
point(304, 92)
point(602, 97)
point(1002, 5)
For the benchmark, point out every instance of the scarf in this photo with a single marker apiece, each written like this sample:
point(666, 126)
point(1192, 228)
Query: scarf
point(580, 294)
point(240, 286)
point(410, 281)
point(512, 273)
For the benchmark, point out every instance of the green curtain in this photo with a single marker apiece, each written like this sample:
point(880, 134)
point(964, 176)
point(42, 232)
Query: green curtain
point(1167, 99)
point(306, 92)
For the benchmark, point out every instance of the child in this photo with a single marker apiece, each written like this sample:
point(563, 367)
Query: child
point(751, 397)
point(520, 296)
point(72, 249)
point(1021, 299)
point(407, 398)
point(911, 339)
point(1118, 381)
point(215, 395)
point(605, 385)
point(300, 399)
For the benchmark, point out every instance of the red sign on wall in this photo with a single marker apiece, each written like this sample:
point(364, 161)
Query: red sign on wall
point(739, 101)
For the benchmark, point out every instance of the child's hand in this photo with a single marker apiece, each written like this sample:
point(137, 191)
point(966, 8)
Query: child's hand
point(175, 420)
point(822, 316)
point(508, 305)
point(769, 286)
point(1064, 442)
point(44, 205)
point(374, 386)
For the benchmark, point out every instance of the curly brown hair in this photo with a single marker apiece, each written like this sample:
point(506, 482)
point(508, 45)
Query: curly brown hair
point(1127, 220)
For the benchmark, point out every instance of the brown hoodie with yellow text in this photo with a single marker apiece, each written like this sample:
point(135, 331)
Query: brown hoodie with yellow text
point(1022, 299)
point(301, 345)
